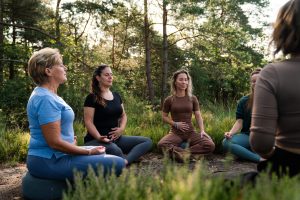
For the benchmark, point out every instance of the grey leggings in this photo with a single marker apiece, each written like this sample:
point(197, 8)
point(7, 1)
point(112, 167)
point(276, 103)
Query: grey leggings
point(133, 146)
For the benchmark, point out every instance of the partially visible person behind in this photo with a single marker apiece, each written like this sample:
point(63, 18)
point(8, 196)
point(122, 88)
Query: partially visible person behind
point(105, 119)
point(275, 129)
point(52, 153)
point(182, 104)
point(237, 139)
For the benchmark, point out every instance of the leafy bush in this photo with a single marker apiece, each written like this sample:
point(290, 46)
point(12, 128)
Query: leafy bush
point(14, 96)
point(13, 145)
point(217, 120)
point(179, 182)
point(80, 132)
point(172, 182)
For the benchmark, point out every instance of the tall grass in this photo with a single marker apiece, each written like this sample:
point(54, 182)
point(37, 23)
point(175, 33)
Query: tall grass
point(180, 183)
point(142, 120)
point(13, 145)
point(218, 119)
point(173, 182)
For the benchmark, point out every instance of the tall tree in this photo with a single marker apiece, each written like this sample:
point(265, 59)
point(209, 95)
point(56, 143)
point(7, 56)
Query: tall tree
point(57, 21)
point(19, 14)
point(225, 51)
point(1, 40)
point(147, 53)
point(165, 52)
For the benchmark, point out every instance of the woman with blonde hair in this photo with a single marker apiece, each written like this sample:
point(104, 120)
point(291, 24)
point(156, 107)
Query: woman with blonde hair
point(52, 152)
point(182, 104)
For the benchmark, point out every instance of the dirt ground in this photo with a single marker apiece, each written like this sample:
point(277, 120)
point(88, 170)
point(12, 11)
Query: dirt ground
point(217, 165)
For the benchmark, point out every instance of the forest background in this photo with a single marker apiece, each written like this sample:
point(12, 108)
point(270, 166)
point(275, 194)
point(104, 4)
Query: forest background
point(219, 41)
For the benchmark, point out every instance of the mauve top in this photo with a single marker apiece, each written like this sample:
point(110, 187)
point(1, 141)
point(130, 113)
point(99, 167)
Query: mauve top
point(276, 108)
point(181, 109)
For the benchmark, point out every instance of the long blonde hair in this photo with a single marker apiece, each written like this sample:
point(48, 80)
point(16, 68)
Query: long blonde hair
point(189, 90)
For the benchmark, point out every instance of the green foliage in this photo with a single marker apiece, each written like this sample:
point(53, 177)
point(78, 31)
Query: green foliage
point(80, 132)
point(14, 96)
point(178, 182)
point(172, 182)
point(13, 145)
point(218, 120)
point(221, 52)
point(142, 120)
point(273, 188)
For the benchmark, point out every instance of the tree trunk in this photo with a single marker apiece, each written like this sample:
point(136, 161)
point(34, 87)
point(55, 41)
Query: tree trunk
point(165, 54)
point(57, 22)
point(147, 52)
point(113, 48)
point(13, 56)
point(1, 40)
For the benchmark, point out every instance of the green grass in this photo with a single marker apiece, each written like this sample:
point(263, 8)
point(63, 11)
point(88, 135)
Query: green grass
point(142, 120)
point(13, 145)
point(180, 183)
point(173, 181)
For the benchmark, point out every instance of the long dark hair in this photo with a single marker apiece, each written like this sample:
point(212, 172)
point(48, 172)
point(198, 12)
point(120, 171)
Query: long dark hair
point(251, 95)
point(95, 87)
point(286, 34)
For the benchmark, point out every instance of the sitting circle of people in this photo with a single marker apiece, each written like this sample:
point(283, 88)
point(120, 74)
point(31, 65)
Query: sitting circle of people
point(237, 139)
point(265, 130)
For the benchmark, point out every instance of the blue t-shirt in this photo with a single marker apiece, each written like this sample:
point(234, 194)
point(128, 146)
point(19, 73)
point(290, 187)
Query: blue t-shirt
point(45, 107)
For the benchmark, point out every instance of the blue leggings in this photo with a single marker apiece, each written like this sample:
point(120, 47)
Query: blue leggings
point(239, 146)
point(133, 146)
point(62, 168)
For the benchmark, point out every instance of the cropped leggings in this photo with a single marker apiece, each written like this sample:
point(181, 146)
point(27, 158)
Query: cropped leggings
point(239, 146)
point(197, 145)
point(133, 146)
point(63, 168)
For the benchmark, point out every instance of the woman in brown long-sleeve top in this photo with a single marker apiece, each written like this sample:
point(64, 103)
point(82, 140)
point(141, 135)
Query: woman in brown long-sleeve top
point(182, 104)
point(275, 129)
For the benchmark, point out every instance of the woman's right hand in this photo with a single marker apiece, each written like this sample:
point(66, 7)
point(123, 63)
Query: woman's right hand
point(97, 150)
point(182, 126)
point(228, 135)
point(103, 138)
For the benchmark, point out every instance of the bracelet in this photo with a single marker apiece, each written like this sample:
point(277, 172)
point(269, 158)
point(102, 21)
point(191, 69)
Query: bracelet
point(175, 125)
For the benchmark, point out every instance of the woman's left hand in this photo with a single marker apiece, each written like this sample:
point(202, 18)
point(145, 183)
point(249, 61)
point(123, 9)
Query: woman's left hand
point(203, 133)
point(115, 133)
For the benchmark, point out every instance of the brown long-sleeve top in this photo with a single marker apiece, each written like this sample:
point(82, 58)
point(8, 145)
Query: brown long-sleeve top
point(276, 108)
point(181, 109)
